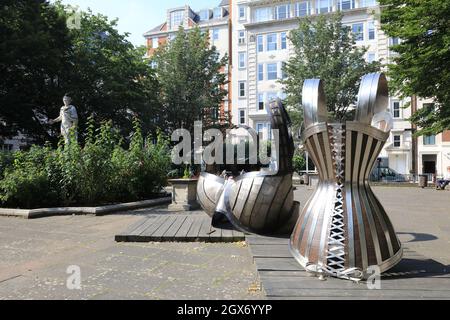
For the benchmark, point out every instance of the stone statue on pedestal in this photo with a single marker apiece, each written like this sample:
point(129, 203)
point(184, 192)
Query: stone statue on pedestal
point(68, 117)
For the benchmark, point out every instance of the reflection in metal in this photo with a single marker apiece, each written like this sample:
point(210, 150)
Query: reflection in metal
point(344, 229)
point(314, 102)
point(259, 202)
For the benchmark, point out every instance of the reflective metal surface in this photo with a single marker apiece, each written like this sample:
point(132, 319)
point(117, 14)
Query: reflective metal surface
point(314, 102)
point(258, 202)
point(343, 230)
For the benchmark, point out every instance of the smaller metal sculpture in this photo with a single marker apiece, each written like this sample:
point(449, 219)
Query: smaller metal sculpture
point(343, 229)
point(259, 202)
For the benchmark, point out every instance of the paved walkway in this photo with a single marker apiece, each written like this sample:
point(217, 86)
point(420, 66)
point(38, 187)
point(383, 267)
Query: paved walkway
point(35, 254)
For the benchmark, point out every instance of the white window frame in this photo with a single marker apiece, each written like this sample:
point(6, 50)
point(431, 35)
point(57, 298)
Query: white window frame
point(319, 8)
point(215, 11)
point(260, 43)
point(155, 43)
point(297, 9)
point(241, 37)
point(267, 16)
point(215, 34)
point(360, 32)
point(242, 116)
point(268, 44)
point(287, 8)
point(283, 42)
point(269, 65)
point(399, 141)
point(242, 92)
point(341, 4)
point(176, 19)
point(371, 29)
point(260, 72)
point(242, 60)
point(242, 13)
point(394, 109)
point(374, 55)
point(261, 100)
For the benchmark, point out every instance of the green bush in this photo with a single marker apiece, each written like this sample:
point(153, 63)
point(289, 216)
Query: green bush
point(101, 172)
point(299, 162)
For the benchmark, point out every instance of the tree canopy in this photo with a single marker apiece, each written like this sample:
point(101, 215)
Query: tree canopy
point(192, 82)
point(41, 59)
point(422, 66)
point(325, 49)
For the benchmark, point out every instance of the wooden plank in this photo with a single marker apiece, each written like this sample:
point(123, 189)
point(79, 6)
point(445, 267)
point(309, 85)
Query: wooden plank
point(215, 236)
point(356, 294)
point(136, 235)
point(173, 230)
point(270, 251)
point(195, 229)
point(205, 230)
point(227, 235)
point(277, 264)
point(184, 229)
point(158, 234)
point(238, 236)
point(266, 240)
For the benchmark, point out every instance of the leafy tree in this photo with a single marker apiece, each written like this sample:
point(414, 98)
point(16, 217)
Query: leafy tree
point(325, 49)
point(422, 66)
point(41, 59)
point(110, 77)
point(191, 83)
point(34, 49)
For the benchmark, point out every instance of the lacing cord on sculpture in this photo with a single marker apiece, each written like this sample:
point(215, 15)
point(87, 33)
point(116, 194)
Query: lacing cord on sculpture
point(352, 274)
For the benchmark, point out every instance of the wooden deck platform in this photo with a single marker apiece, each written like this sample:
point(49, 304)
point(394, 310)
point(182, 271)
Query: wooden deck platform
point(416, 277)
point(178, 228)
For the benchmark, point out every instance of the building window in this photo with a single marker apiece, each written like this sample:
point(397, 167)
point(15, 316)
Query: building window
point(394, 41)
point(260, 72)
point(176, 19)
point(272, 42)
point(396, 109)
point(346, 4)
point(263, 14)
point(358, 31)
point(204, 15)
point(429, 140)
point(242, 91)
point(242, 118)
point(217, 14)
point(371, 57)
point(323, 6)
point(241, 37)
point(242, 60)
point(272, 72)
point(397, 141)
point(155, 43)
point(215, 34)
point(302, 9)
point(283, 40)
point(368, 3)
point(242, 13)
point(260, 43)
point(371, 27)
point(261, 104)
point(282, 12)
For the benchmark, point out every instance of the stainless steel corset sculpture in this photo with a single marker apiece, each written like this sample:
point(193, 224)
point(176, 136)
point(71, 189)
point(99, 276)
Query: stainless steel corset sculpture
point(343, 229)
point(258, 202)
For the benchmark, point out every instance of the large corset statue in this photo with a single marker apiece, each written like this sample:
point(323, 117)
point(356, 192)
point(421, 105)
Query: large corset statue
point(343, 229)
point(259, 202)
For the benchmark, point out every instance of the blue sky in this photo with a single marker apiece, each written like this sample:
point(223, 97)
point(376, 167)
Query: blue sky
point(138, 16)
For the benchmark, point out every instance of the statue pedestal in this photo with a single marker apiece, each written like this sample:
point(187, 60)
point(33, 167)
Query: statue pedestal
point(184, 195)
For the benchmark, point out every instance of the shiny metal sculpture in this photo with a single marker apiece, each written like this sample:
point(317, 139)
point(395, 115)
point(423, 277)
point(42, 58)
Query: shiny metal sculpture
point(258, 202)
point(343, 229)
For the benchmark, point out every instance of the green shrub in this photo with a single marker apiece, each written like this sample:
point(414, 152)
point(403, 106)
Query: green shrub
point(299, 162)
point(99, 173)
